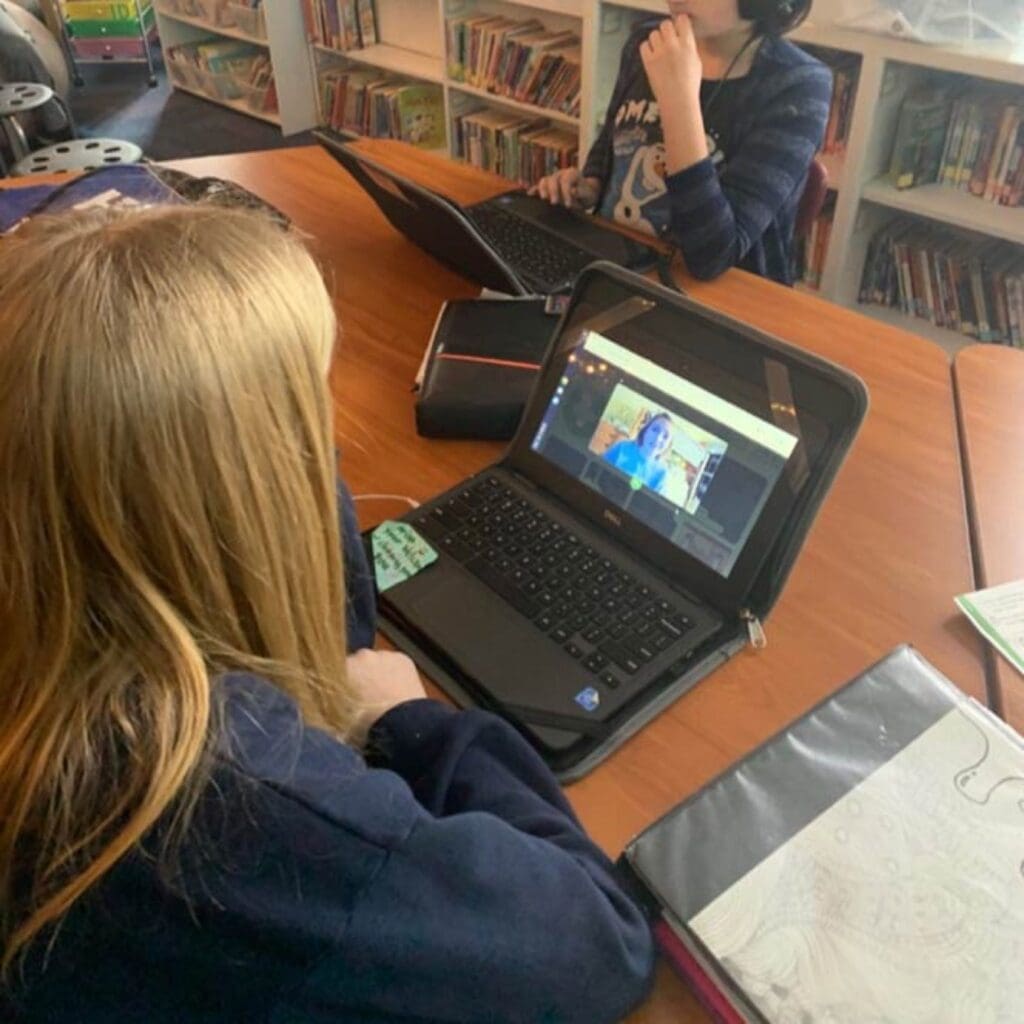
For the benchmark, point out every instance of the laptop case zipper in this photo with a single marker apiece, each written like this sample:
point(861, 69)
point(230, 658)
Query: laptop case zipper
point(755, 631)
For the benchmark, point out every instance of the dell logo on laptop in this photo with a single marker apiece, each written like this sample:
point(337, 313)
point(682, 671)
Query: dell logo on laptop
point(612, 517)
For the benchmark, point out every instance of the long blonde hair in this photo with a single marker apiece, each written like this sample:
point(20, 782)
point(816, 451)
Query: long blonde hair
point(168, 513)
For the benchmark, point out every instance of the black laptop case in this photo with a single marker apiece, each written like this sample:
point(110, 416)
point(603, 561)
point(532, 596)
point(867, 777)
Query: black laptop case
point(572, 749)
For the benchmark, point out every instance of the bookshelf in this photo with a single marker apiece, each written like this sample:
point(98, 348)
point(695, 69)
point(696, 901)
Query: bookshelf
point(866, 200)
point(185, 22)
point(227, 31)
point(412, 43)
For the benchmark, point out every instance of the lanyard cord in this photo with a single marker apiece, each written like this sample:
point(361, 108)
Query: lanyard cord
point(706, 107)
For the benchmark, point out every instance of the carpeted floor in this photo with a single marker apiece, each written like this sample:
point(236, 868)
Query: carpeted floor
point(116, 101)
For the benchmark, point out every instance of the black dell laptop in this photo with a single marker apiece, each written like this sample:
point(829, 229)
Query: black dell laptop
point(639, 528)
point(513, 243)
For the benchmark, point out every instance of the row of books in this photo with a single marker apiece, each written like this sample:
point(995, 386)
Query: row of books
point(260, 73)
point(378, 104)
point(969, 284)
point(811, 250)
point(845, 74)
point(518, 59)
point(972, 141)
point(517, 147)
point(341, 24)
point(260, 90)
point(226, 56)
point(226, 70)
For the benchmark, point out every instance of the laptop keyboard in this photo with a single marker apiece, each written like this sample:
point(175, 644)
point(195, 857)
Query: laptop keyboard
point(599, 614)
point(531, 251)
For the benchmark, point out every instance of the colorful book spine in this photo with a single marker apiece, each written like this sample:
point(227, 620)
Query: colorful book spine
point(381, 105)
point(517, 146)
point(983, 147)
point(518, 59)
point(341, 24)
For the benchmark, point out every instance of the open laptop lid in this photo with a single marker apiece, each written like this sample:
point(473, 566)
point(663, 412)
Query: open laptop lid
point(700, 442)
point(431, 221)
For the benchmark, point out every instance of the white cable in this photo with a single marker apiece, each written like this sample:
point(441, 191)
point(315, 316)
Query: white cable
point(386, 497)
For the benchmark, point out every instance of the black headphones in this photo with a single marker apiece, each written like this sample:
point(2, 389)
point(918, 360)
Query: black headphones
point(774, 17)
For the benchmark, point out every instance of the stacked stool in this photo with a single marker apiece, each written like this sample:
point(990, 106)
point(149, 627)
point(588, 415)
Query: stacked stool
point(74, 155)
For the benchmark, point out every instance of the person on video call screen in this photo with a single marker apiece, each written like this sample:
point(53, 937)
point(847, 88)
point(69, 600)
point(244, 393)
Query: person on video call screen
point(643, 457)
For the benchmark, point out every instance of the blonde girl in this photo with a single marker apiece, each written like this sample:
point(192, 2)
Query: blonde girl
point(210, 810)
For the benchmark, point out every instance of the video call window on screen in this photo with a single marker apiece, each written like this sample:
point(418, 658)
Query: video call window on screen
point(681, 460)
point(656, 448)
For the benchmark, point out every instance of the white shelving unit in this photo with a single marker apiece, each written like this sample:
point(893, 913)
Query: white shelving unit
point(504, 101)
point(949, 206)
point(890, 68)
point(396, 59)
point(412, 42)
point(221, 30)
point(289, 55)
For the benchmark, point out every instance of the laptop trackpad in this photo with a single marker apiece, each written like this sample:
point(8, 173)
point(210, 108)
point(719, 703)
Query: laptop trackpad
point(494, 645)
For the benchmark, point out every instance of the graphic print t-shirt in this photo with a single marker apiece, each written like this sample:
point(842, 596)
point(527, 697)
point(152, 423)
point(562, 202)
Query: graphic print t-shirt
point(636, 194)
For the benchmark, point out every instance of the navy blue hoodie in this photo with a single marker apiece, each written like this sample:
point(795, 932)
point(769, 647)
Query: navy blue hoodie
point(443, 877)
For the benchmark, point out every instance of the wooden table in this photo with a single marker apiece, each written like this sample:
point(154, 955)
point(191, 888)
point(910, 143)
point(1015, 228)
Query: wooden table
point(989, 383)
point(882, 563)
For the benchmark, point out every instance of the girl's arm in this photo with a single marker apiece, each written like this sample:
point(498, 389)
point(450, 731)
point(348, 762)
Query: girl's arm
point(494, 905)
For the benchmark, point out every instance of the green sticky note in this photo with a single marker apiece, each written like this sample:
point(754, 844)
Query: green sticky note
point(399, 552)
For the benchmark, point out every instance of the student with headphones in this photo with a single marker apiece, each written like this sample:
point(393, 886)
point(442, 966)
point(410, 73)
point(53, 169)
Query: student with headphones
point(712, 125)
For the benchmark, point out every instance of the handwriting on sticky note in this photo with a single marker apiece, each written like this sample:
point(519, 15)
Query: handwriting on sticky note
point(998, 614)
point(399, 552)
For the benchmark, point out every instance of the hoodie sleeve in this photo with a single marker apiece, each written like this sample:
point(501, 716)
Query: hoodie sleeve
point(716, 219)
point(494, 905)
point(360, 595)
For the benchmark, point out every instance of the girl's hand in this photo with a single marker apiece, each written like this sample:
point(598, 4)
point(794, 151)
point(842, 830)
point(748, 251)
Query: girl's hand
point(567, 188)
point(382, 680)
point(672, 63)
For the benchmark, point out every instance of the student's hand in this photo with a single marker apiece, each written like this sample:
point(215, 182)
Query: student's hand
point(382, 680)
point(673, 67)
point(568, 188)
point(672, 63)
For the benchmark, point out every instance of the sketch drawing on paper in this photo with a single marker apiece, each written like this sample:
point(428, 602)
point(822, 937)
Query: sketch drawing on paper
point(903, 903)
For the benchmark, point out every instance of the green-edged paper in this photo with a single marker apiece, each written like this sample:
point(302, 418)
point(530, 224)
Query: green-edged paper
point(399, 552)
point(998, 614)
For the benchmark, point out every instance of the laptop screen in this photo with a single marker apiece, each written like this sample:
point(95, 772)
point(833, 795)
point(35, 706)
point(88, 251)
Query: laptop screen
point(675, 457)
